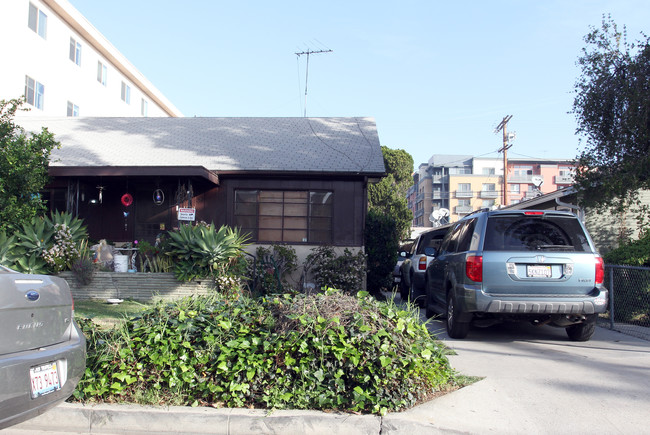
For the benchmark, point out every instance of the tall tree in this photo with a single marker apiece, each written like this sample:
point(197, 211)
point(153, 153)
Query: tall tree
point(24, 165)
point(389, 195)
point(389, 218)
point(612, 107)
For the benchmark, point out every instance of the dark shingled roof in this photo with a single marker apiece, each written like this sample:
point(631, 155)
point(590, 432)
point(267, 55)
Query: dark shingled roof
point(327, 145)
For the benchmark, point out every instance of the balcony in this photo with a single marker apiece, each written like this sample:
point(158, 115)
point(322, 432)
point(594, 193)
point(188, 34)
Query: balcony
point(522, 178)
point(564, 179)
point(418, 213)
point(463, 209)
point(489, 194)
point(464, 194)
point(419, 197)
point(436, 195)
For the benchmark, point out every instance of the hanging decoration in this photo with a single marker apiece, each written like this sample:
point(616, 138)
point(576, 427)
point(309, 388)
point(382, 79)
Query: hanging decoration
point(158, 196)
point(126, 215)
point(127, 199)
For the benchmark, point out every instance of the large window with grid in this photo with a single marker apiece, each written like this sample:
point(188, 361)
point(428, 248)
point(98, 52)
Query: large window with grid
point(292, 216)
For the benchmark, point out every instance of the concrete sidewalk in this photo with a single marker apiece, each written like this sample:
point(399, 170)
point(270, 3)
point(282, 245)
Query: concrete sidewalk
point(535, 382)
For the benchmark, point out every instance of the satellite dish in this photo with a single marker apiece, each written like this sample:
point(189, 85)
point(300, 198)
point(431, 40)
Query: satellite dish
point(438, 217)
point(444, 212)
point(537, 181)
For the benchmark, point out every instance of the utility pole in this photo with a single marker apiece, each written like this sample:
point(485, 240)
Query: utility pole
point(503, 126)
point(308, 52)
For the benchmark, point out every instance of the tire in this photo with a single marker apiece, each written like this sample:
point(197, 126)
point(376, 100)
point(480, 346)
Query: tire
point(403, 290)
point(455, 328)
point(582, 331)
point(427, 305)
point(418, 301)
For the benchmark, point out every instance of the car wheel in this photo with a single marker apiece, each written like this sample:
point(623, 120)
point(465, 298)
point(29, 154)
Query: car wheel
point(415, 298)
point(403, 290)
point(428, 304)
point(455, 328)
point(582, 331)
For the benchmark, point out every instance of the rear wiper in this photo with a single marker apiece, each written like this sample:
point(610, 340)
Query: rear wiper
point(565, 247)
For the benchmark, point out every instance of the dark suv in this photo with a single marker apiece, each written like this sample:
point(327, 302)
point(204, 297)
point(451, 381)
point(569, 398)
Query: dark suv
point(520, 265)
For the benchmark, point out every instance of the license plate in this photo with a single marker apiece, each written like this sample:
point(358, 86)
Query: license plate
point(44, 379)
point(536, 271)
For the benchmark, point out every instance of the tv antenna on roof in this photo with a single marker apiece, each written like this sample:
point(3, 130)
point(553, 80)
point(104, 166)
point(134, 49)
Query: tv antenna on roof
point(308, 52)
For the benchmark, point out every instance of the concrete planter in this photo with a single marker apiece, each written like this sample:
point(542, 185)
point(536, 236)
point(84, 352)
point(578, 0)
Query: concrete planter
point(143, 287)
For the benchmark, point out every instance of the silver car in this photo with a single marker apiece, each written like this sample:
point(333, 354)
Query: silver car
point(42, 350)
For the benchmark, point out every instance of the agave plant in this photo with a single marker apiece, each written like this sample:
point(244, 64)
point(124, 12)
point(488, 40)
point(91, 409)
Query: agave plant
point(201, 251)
point(7, 245)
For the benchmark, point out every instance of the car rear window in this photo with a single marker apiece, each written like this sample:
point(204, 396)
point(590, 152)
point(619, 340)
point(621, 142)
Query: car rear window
point(535, 233)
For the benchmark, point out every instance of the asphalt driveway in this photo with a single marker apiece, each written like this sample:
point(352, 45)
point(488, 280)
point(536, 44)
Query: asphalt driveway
point(536, 381)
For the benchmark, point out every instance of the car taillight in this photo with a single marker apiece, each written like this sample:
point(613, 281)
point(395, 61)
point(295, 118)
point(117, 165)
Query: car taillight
point(600, 270)
point(534, 213)
point(422, 263)
point(474, 268)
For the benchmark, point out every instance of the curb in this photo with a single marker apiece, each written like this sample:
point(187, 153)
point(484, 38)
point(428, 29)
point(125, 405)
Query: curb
point(136, 419)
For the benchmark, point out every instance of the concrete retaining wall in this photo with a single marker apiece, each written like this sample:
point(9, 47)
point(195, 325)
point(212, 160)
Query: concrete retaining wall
point(137, 286)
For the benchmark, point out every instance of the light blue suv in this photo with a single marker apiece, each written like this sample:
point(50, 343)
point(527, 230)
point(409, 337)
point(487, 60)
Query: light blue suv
point(521, 265)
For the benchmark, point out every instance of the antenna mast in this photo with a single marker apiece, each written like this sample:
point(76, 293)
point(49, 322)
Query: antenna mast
point(308, 52)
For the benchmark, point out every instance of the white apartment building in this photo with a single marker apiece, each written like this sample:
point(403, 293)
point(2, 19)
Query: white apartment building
point(66, 67)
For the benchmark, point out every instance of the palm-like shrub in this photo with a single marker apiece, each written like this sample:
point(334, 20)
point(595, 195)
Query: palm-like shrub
point(202, 251)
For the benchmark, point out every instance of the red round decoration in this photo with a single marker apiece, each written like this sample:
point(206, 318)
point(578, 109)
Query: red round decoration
point(127, 199)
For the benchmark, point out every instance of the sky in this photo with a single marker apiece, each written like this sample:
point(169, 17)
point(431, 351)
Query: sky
point(437, 76)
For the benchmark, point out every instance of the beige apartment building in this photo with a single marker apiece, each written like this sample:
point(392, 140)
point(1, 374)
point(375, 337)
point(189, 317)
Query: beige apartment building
point(461, 184)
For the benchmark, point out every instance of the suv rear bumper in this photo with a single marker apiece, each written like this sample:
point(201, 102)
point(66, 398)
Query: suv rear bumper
point(478, 301)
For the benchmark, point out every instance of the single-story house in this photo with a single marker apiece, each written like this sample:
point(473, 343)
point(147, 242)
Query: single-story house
point(296, 181)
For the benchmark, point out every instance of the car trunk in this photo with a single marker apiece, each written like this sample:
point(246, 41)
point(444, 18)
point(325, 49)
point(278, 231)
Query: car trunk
point(35, 311)
point(538, 273)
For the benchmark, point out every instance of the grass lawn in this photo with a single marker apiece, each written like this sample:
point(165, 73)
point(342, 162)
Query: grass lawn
point(105, 314)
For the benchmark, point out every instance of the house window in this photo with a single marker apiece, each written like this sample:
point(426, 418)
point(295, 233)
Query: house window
point(144, 107)
point(34, 92)
point(102, 72)
point(126, 93)
point(75, 51)
point(73, 109)
point(37, 21)
point(285, 215)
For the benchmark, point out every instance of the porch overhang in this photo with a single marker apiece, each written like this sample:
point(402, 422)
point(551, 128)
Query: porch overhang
point(135, 171)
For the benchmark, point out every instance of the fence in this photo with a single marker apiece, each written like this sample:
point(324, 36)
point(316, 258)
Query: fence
point(629, 300)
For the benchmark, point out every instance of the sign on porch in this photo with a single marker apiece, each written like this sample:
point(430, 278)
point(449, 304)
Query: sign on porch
point(186, 214)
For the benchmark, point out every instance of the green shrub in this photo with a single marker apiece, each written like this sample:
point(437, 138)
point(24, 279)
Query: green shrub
point(326, 351)
point(633, 253)
point(330, 270)
point(47, 244)
point(273, 266)
point(202, 251)
point(382, 244)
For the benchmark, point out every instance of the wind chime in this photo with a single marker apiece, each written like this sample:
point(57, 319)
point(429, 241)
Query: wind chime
point(127, 200)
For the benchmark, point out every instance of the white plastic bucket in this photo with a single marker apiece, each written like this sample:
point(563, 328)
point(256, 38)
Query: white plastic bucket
point(121, 263)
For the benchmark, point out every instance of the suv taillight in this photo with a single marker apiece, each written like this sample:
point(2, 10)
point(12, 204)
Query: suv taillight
point(422, 263)
point(474, 268)
point(600, 270)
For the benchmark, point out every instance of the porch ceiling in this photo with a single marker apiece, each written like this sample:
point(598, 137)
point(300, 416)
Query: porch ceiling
point(133, 171)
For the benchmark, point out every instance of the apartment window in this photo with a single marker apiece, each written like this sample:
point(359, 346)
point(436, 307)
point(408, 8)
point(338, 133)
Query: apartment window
point(514, 188)
point(488, 203)
point(464, 203)
point(565, 171)
point(75, 51)
point(489, 171)
point(126, 93)
point(34, 92)
point(488, 187)
point(73, 109)
point(144, 107)
point(37, 21)
point(102, 72)
point(285, 215)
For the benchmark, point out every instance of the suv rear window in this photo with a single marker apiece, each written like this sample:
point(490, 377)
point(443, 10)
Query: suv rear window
point(535, 233)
